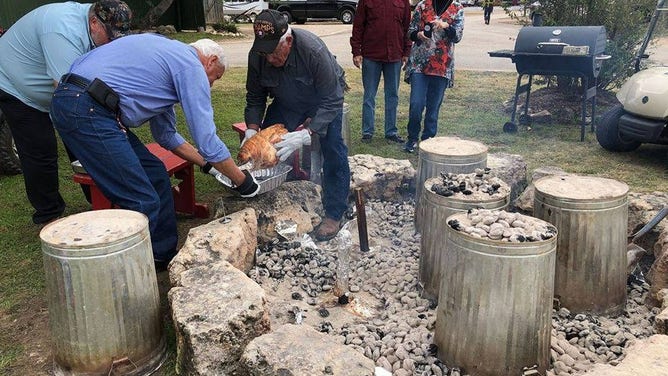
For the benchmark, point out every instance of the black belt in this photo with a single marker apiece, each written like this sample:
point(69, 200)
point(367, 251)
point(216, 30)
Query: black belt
point(98, 90)
point(76, 80)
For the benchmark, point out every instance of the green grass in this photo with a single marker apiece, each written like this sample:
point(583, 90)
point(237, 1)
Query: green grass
point(471, 110)
point(192, 37)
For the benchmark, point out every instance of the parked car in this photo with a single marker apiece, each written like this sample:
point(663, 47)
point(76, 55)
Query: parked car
point(470, 3)
point(299, 10)
point(244, 10)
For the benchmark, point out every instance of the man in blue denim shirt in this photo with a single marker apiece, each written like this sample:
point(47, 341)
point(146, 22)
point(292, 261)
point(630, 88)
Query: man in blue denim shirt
point(295, 68)
point(122, 85)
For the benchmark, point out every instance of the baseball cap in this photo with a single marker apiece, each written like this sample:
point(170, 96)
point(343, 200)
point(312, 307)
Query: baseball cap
point(269, 27)
point(115, 15)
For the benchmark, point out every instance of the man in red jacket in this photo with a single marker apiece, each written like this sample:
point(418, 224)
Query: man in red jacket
point(380, 44)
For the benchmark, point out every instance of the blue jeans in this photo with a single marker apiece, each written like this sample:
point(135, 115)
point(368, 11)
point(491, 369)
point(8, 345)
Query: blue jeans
point(335, 168)
point(426, 91)
point(123, 169)
point(371, 71)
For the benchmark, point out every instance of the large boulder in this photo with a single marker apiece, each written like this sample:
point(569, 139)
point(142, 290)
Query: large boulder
point(382, 178)
point(233, 240)
point(217, 310)
point(300, 350)
point(658, 273)
point(512, 169)
point(661, 320)
point(524, 203)
point(294, 201)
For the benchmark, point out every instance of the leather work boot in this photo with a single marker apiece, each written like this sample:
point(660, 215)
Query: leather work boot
point(327, 229)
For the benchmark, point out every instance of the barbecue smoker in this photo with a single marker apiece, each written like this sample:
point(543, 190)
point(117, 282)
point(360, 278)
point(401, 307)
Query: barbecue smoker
point(574, 51)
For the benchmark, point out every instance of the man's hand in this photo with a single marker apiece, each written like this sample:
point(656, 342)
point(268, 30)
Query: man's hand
point(357, 60)
point(291, 142)
point(250, 187)
point(248, 134)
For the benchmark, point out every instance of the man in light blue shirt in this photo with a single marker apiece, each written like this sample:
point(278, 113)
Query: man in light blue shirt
point(120, 86)
point(36, 51)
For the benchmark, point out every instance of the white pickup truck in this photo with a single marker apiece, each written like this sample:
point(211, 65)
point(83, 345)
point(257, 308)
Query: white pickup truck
point(244, 10)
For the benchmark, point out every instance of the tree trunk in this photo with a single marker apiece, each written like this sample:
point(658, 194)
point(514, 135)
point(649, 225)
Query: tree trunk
point(154, 14)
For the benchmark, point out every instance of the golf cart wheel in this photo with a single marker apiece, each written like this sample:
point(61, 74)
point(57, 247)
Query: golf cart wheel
point(607, 132)
point(510, 127)
point(9, 158)
point(525, 119)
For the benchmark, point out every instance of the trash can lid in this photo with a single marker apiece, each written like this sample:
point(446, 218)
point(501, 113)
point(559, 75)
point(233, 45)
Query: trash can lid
point(94, 227)
point(577, 187)
point(452, 146)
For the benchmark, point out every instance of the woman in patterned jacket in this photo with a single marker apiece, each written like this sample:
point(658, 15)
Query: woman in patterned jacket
point(435, 27)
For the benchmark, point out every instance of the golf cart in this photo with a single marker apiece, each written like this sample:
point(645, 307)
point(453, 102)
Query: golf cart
point(642, 113)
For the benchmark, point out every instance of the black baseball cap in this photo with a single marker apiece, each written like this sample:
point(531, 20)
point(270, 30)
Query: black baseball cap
point(269, 27)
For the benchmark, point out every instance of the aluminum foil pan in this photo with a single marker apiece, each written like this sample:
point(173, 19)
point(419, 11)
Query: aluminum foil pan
point(78, 168)
point(269, 178)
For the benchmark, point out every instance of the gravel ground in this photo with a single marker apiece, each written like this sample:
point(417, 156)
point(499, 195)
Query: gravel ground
point(394, 327)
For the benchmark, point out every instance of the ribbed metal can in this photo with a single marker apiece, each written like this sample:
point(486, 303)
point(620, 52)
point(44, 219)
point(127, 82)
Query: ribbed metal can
point(436, 210)
point(102, 292)
point(495, 304)
point(446, 154)
point(591, 214)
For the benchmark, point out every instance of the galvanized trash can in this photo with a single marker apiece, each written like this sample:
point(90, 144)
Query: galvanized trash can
point(446, 154)
point(591, 215)
point(104, 305)
point(495, 303)
point(433, 246)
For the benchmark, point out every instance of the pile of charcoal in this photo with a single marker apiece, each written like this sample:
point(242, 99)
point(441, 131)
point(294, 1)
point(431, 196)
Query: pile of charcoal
point(399, 335)
point(502, 225)
point(581, 340)
point(310, 269)
point(477, 185)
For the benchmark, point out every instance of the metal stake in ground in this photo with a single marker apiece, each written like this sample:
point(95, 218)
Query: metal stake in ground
point(361, 220)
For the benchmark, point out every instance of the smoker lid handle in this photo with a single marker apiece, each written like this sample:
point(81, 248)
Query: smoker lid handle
point(541, 44)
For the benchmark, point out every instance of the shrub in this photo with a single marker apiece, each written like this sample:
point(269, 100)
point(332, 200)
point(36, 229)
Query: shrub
point(226, 27)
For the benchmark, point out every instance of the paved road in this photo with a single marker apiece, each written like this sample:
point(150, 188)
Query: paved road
point(471, 52)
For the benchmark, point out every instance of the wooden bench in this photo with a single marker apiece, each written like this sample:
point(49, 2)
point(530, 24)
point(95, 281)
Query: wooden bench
point(297, 172)
point(184, 191)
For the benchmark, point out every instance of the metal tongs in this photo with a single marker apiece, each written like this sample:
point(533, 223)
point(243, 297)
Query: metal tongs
point(650, 225)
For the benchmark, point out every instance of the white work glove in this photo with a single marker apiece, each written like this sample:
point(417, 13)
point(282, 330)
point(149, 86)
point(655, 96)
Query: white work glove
point(248, 134)
point(208, 169)
point(291, 142)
